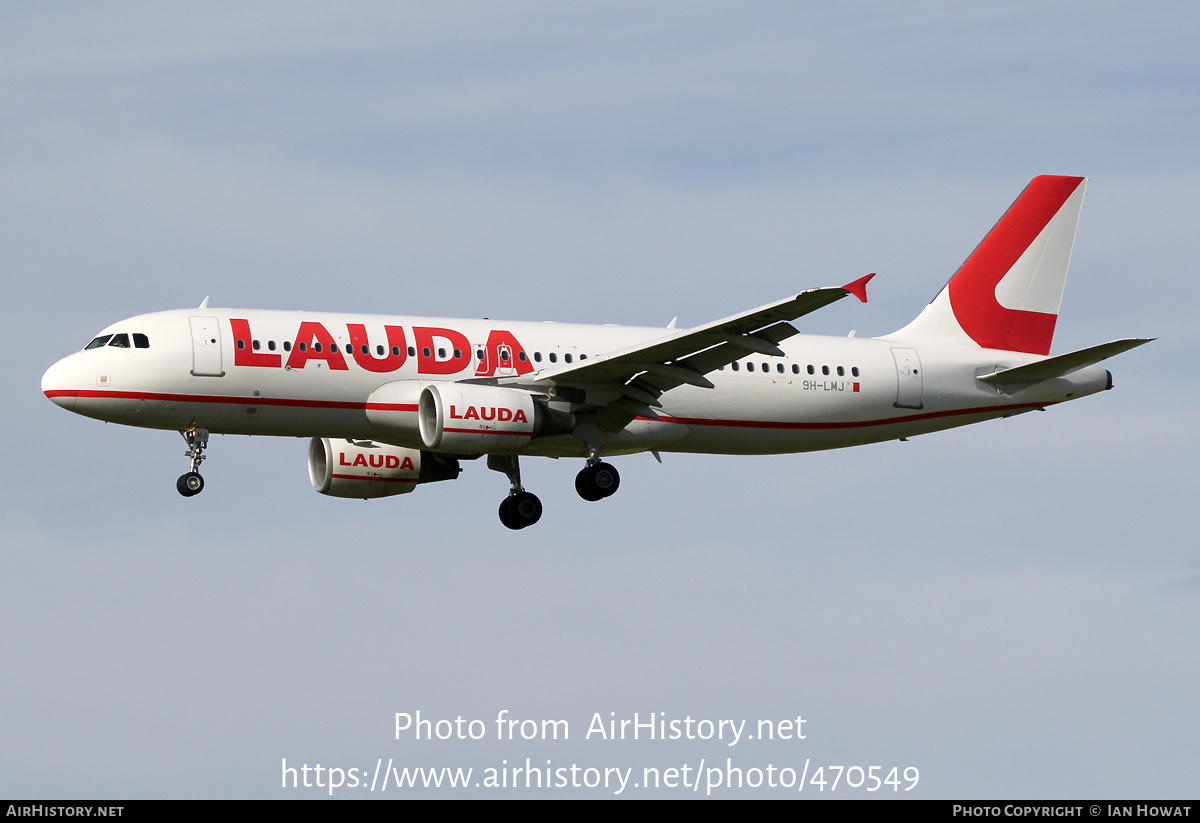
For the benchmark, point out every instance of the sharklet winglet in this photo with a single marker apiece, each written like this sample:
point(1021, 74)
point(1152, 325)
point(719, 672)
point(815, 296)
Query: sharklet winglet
point(859, 287)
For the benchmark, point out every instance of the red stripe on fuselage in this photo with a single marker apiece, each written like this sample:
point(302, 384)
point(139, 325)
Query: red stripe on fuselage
point(851, 424)
point(229, 400)
point(690, 421)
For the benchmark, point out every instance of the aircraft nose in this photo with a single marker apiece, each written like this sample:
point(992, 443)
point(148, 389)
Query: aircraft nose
point(60, 383)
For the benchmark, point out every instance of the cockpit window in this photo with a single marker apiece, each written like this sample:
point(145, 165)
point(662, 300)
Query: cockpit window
point(140, 341)
point(98, 342)
point(119, 341)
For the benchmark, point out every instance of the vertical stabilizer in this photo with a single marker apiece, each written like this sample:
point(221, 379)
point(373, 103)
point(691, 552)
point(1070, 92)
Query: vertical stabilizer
point(1007, 293)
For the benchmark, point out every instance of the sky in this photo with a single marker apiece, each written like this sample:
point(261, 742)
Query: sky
point(1010, 609)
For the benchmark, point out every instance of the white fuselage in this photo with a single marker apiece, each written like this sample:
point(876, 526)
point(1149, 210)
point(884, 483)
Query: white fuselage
point(238, 371)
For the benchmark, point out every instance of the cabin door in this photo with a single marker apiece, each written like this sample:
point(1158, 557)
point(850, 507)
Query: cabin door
point(206, 347)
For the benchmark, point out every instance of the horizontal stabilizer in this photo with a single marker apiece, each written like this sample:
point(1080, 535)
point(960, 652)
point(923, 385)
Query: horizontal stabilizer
point(1063, 364)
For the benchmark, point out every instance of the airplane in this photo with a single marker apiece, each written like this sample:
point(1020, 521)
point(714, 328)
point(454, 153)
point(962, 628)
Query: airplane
point(390, 402)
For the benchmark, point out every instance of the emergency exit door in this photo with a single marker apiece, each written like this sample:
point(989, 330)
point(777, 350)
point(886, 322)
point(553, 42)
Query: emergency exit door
point(908, 378)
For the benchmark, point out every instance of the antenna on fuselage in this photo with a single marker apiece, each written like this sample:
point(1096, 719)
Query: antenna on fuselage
point(204, 302)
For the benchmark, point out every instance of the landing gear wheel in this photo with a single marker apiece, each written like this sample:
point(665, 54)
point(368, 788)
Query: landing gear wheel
point(520, 510)
point(597, 481)
point(506, 516)
point(583, 485)
point(190, 484)
point(526, 508)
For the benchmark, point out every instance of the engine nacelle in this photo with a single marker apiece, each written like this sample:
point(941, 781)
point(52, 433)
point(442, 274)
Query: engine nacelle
point(365, 469)
point(393, 407)
point(464, 418)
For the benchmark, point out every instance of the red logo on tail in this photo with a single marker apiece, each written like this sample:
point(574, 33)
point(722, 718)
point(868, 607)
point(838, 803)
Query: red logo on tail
point(973, 287)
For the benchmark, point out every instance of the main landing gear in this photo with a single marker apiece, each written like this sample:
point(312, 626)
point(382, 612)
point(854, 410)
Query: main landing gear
point(520, 508)
point(598, 479)
point(191, 484)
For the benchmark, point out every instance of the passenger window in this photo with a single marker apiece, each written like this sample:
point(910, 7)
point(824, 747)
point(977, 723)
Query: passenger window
point(141, 341)
point(537, 356)
point(441, 354)
point(303, 347)
point(779, 368)
point(98, 342)
point(795, 368)
point(412, 351)
point(734, 365)
point(458, 354)
point(425, 351)
point(479, 354)
point(810, 370)
point(854, 371)
point(567, 357)
point(271, 345)
point(120, 341)
point(553, 357)
point(316, 346)
point(521, 356)
point(583, 357)
point(332, 348)
point(287, 345)
point(841, 372)
point(824, 370)
point(395, 351)
point(241, 344)
point(254, 345)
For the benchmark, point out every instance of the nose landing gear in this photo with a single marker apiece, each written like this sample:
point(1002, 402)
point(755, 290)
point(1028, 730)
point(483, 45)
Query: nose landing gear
point(191, 484)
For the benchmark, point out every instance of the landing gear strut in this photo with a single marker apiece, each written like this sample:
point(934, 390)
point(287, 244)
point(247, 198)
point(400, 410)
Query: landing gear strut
point(598, 479)
point(192, 483)
point(520, 508)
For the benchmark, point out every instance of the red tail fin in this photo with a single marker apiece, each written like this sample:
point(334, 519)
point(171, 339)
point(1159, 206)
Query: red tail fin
point(1007, 293)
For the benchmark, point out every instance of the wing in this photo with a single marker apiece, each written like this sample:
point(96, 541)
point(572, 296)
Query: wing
point(626, 383)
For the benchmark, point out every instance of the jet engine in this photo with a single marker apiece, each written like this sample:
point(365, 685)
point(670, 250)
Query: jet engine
point(365, 469)
point(464, 418)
